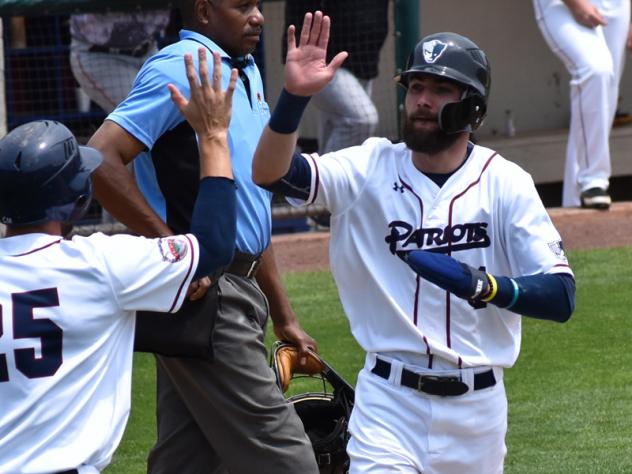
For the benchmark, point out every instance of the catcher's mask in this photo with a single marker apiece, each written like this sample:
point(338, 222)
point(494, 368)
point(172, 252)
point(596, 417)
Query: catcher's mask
point(324, 413)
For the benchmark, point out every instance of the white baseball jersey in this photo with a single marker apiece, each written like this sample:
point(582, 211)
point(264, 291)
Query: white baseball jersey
point(488, 214)
point(67, 318)
point(594, 57)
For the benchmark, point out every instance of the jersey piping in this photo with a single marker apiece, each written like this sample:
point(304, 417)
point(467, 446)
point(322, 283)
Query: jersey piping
point(316, 180)
point(38, 249)
point(418, 278)
point(450, 215)
point(186, 277)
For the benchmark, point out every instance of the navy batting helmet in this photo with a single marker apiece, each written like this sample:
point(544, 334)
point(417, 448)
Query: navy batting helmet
point(44, 174)
point(459, 59)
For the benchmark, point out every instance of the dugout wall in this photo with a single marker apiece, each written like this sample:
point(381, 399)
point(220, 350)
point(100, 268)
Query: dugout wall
point(527, 79)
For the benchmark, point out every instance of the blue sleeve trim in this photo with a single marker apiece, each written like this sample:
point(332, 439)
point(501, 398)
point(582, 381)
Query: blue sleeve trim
point(297, 182)
point(516, 293)
point(214, 224)
point(548, 296)
point(288, 112)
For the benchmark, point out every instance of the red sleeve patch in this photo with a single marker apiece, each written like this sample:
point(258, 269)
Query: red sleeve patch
point(173, 249)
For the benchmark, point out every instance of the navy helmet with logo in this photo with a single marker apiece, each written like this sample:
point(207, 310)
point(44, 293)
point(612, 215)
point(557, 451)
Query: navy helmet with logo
point(44, 174)
point(454, 57)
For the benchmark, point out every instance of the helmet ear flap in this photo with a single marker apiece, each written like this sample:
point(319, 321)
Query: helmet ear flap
point(465, 115)
point(81, 206)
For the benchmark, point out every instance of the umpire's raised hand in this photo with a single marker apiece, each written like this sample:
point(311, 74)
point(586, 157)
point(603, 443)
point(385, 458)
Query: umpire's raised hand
point(306, 68)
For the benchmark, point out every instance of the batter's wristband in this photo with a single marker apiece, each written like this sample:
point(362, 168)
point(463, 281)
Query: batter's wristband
point(493, 288)
point(515, 295)
point(288, 112)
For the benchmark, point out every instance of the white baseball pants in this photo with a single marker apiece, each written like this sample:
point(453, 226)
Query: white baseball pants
point(397, 429)
point(347, 115)
point(594, 58)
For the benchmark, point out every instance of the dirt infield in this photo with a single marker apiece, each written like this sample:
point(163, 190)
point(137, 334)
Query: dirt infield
point(580, 229)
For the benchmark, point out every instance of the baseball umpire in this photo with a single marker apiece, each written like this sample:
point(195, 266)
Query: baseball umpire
point(67, 308)
point(437, 247)
point(224, 414)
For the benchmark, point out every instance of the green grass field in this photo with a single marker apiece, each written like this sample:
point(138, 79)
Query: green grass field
point(570, 393)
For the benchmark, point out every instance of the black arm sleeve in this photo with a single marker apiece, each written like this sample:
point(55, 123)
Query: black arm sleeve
point(544, 296)
point(214, 224)
point(297, 181)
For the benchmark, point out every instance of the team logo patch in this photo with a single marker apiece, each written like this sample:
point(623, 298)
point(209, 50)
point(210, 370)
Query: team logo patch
point(173, 249)
point(433, 50)
point(557, 248)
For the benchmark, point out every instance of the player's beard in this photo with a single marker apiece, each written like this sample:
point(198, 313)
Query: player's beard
point(429, 142)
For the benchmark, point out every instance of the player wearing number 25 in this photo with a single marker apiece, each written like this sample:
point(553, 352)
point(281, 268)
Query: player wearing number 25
point(67, 307)
point(437, 247)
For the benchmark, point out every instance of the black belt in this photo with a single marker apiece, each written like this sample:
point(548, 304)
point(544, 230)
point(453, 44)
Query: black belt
point(244, 264)
point(137, 52)
point(71, 471)
point(433, 384)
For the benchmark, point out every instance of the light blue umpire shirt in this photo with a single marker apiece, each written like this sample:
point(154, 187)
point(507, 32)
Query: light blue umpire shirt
point(148, 113)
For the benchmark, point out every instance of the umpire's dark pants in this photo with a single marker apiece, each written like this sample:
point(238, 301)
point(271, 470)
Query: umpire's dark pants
point(228, 415)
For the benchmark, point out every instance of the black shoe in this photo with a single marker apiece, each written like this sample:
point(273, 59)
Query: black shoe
point(596, 198)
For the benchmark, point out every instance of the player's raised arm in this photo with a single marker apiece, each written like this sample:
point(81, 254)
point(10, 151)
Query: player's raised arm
point(306, 73)
point(208, 111)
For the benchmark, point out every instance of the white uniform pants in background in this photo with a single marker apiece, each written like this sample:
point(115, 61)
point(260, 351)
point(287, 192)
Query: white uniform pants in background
point(107, 78)
point(396, 429)
point(347, 115)
point(594, 57)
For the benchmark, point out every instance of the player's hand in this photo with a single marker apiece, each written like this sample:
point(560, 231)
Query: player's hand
point(209, 108)
point(292, 332)
point(450, 274)
point(306, 68)
point(198, 288)
point(585, 13)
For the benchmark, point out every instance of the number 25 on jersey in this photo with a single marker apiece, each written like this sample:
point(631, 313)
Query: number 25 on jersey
point(26, 326)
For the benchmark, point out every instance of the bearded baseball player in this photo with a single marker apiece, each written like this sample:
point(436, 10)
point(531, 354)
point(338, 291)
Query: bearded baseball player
point(437, 247)
point(67, 307)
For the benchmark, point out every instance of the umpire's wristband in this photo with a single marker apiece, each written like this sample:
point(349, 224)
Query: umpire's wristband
point(288, 112)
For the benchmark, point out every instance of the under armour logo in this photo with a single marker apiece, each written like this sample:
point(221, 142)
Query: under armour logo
point(398, 187)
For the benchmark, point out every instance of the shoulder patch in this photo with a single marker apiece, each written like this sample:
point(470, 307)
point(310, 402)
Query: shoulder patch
point(557, 248)
point(173, 249)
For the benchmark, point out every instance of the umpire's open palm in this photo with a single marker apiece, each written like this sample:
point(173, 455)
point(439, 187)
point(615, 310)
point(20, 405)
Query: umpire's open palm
point(306, 68)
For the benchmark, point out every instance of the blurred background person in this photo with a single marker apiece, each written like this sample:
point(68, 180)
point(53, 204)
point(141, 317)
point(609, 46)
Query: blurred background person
point(108, 49)
point(590, 37)
point(106, 52)
point(346, 113)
